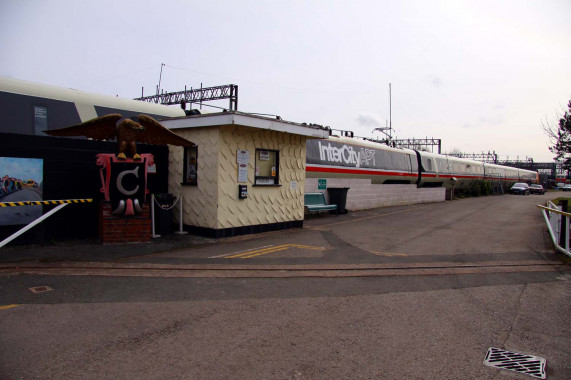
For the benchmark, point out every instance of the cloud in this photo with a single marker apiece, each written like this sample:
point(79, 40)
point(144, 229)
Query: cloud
point(492, 115)
point(369, 120)
point(436, 81)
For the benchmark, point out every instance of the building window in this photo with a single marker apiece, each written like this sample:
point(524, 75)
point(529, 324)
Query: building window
point(267, 167)
point(190, 170)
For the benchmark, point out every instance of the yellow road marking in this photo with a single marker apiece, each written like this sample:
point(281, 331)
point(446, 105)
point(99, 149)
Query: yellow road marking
point(8, 307)
point(264, 251)
point(253, 252)
point(307, 247)
point(226, 255)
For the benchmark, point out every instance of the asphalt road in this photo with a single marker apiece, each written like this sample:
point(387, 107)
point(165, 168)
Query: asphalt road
point(406, 292)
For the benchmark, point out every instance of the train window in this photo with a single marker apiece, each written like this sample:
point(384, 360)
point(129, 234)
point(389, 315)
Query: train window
point(428, 165)
point(402, 162)
point(267, 167)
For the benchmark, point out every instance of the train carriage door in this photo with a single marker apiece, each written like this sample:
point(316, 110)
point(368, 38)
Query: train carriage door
point(420, 168)
point(413, 164)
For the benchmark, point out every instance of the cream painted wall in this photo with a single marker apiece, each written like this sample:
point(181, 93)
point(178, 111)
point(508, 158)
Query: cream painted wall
point(264, 204)
point(214, 202)
point(200, 202)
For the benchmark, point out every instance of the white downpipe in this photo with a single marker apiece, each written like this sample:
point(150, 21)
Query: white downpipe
point(29, 226)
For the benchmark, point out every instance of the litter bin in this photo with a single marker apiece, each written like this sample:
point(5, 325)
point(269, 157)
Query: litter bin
point(338, 196)
point(163, 213)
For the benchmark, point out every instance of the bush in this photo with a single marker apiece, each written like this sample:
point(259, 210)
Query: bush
point(486, 187)
point(480, 187)
point(475, 189)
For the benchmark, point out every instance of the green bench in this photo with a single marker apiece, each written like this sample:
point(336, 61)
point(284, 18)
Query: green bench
point(316, 202)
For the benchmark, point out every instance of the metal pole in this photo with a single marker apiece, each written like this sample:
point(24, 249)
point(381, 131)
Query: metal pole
point(390, 114)
point(180, 230)
point(566, 232)
point(564, 227)
point(153, 235)
point(29, 226)
point(161, 75)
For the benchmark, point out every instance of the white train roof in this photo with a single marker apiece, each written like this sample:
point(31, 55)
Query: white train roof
point(17, 86)
point(376, 145)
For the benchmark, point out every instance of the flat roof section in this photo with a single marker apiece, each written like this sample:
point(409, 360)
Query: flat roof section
point(247, 120)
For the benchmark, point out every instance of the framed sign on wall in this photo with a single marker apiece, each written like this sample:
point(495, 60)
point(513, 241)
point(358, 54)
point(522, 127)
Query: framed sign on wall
point(190, 170)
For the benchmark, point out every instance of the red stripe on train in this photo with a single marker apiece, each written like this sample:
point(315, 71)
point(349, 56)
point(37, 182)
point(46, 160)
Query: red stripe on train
point(320, 169)
point(356, 171)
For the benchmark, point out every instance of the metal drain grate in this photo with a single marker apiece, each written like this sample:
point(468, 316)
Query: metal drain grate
point(41, 289)
point(522, 363)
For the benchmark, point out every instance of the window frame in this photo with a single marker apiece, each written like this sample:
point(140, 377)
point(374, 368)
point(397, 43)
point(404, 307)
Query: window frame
point(259, 179)
point(186, 178)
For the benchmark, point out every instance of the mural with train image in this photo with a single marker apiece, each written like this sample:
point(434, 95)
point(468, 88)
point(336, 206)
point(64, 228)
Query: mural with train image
point(21, 180)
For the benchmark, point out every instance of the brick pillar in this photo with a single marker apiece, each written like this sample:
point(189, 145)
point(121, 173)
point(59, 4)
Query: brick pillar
point(124, 229)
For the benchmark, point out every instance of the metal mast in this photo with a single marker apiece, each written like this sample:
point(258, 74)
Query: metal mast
point(390, 114)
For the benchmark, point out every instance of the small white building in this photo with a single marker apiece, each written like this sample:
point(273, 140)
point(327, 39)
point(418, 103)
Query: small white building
point(246, 173)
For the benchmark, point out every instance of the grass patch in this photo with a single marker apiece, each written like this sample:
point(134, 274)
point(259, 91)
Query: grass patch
point(557, 200)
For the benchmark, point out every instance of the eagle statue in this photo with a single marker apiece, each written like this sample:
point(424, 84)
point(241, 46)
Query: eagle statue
point(128, 132)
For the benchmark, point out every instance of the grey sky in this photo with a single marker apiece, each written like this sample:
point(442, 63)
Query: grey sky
point(480, 75)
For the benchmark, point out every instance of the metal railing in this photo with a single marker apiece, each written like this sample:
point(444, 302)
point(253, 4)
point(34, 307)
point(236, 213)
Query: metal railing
point(558, 225)
point(180, 231)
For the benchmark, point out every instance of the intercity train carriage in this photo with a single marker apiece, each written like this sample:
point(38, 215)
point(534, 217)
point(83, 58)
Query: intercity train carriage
point(30, 108)
point(348, 157)
point(341, 157)
point(439, 170)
